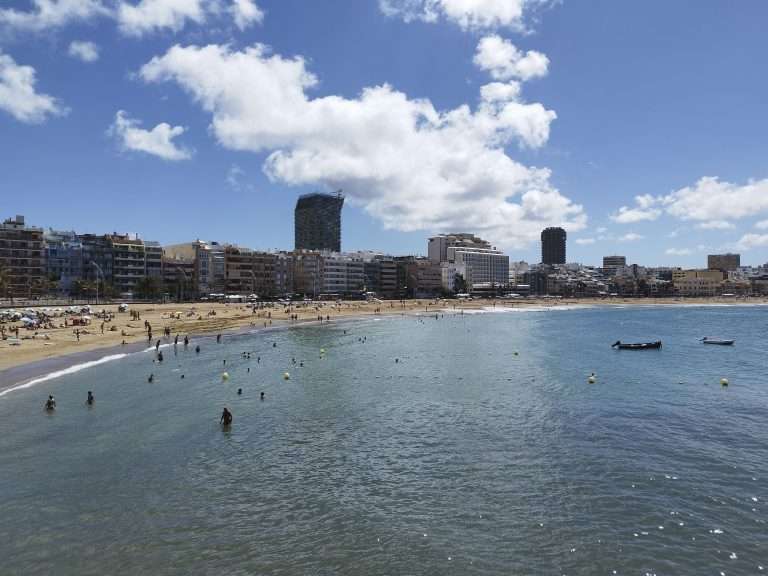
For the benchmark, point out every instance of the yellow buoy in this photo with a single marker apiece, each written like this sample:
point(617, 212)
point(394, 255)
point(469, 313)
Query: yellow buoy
point(286, 376)
point(724, 381)
point(322, 350)
point(225, 376)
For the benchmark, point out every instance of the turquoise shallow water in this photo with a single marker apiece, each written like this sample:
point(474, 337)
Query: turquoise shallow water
point(461, 458)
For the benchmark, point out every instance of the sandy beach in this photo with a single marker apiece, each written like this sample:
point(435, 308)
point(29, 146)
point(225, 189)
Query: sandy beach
point(119, 329)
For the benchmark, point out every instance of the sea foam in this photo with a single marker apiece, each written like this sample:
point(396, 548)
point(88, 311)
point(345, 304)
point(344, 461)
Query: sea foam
point(66, 371)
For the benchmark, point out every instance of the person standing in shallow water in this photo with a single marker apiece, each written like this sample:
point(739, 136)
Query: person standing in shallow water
point(226, 417)
point(90, 400)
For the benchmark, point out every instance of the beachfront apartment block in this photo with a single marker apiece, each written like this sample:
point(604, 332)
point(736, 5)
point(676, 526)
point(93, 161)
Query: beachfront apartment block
point(437, 246)
point(484, 268)
point(249, 271)
point(611, 264)
point(209, 264)
point(697, 283)
point(317, 222)
point(63, 260)
point(724, 262)
point(553, 246)
point(22, 259)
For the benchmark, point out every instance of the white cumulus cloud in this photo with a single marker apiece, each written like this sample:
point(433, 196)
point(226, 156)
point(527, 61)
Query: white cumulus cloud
point(631, 237)
point(762, 225)
point(750, 241)
point(504, 61)
point(152, 15)
point(627, 215)
point(157, 142)
point(18, 96)
point(85, 51)
point(585, 241)
point(711, 202)
point(711, 199)
point(246, 13)
point(677, 251)
point(48, 14)
point(469, 14)
point(716, 225)
point(406, 163)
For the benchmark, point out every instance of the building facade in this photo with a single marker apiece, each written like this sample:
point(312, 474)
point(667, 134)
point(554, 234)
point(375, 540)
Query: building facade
point(22, 259)
point(485, 269)
point(63, 259)
point(437, 246)
point(697, 283)
point(553, 242)
point(724, 262)
point(249, 272)
point(613, 263)
point(317, 222)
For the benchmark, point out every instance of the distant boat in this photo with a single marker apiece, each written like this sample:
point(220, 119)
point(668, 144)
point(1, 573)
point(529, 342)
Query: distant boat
point(717, 341)
point(638, 346)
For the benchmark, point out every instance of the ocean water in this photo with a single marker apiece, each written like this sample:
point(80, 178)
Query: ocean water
point(482, 450)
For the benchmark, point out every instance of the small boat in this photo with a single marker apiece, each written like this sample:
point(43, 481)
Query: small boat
point(638, 346)
point(717, 341)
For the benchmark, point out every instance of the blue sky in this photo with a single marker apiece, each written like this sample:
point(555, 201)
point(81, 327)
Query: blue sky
point(641, 127)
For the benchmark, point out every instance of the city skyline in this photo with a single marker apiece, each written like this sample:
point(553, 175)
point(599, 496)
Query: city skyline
point(107, 127)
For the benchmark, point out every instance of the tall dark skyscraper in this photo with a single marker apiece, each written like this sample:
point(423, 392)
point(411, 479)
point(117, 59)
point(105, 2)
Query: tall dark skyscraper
point(317, 222)
point(553, 246)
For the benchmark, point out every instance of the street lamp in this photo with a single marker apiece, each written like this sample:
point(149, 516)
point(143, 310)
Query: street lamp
point(98, 268)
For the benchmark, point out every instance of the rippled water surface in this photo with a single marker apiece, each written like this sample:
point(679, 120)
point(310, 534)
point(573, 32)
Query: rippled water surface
point(483, 450)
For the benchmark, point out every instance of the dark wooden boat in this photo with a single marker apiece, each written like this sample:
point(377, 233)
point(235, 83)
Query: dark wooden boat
point(717, 341)
point(638, 346)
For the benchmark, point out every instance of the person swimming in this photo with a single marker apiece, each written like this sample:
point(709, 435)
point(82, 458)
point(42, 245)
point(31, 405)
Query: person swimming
point(197, 349)
point(226, 418)
point(90, 400)
point(151, 378)
point(50, 404)
point(239, 391)
point(262, 396)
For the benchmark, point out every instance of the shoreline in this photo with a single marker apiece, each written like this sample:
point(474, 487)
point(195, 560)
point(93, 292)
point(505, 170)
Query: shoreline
point(20, 371)
point(26, 374)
